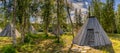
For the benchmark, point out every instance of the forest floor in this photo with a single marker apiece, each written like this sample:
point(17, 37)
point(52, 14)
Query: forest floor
point(42, 44)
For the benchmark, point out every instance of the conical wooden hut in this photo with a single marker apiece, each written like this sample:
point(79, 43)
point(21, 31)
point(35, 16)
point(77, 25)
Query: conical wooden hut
point(55, 31)
point(7, 31)
point(32, 29)
point(92, 34)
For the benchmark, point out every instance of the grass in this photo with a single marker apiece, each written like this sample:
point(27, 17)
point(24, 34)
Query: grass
point(5, 41)
point(115, 38)
point(43, 44)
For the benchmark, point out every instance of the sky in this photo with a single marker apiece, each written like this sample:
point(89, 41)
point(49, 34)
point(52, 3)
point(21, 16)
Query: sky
point(116, 3)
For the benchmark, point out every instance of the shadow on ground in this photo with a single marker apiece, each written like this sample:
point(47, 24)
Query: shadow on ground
point(106, 49)
point(43, 45)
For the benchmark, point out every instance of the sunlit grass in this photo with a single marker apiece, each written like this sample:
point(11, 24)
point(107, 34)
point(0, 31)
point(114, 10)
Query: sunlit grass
point(4, 41)
point(48, 44)
point(67, 39)
point(115, 38)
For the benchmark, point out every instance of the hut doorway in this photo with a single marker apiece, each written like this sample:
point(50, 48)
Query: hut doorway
point(90, 37)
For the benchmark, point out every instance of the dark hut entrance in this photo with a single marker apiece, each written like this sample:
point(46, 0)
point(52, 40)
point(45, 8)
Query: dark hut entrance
point(90, 37)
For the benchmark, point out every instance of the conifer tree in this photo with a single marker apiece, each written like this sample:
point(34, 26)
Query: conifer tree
point(47, 11)
point(118, 19)
point(61, 16)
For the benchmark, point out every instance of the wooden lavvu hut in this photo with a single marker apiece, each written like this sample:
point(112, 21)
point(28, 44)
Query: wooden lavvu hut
point(91, 34)
point(8, 31)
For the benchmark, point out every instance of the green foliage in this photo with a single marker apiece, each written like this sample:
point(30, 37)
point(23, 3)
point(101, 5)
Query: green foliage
point(47, 13)
point(43, 36)
point(118, 19)
point(61, 13)
point(9, 49)
point(105, 14)
point(78, 18)
point(29, 38)
point(96, 8)
point(109, 16)
point(59, 42)
point(60, 17)
point(27, 47)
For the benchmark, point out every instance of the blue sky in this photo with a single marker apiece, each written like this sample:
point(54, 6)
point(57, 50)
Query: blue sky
point(116, 3)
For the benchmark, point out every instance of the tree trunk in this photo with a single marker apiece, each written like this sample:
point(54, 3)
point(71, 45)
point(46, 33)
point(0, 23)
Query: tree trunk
point(22, 35)
point(13, 26)
point(70, 18)
point(46, 31)
point(23, 27)
point(58, 34)
point(71, 24)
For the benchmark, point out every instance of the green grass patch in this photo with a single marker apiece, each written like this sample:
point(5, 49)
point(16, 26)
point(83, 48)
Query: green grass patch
point(9, 49)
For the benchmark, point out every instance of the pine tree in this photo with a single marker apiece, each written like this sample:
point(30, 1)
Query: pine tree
point(23, 16)
point(118, 19)
point(61, 16)
point(47, 10)
point(105, 14)
point(109, 16)
point(77, 17)
point(14, 22)
point(96, 8)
